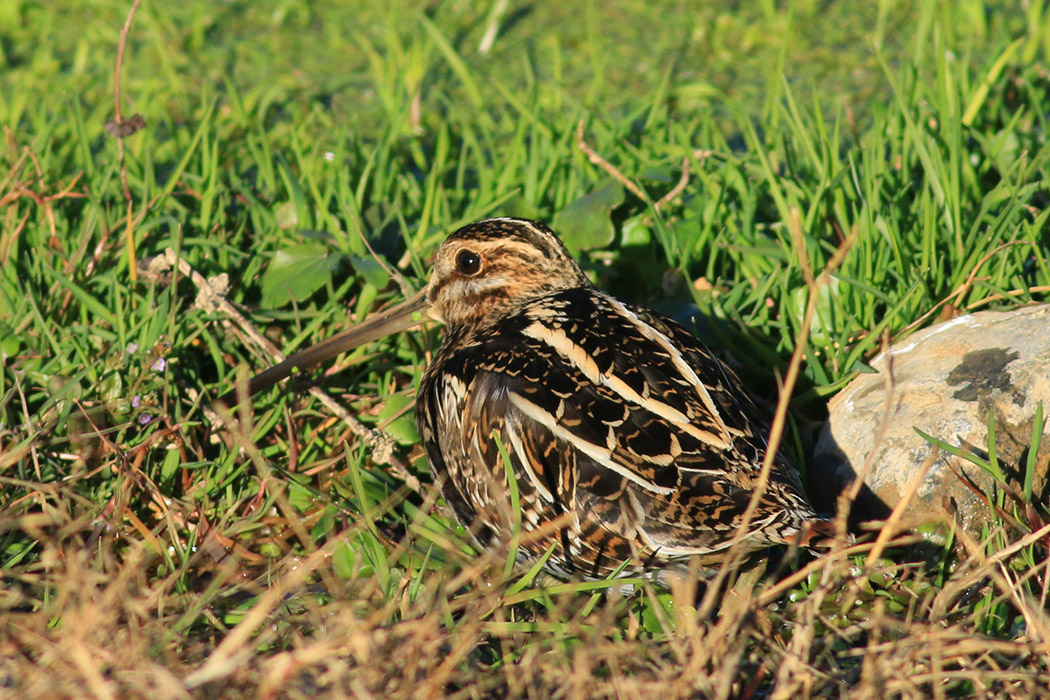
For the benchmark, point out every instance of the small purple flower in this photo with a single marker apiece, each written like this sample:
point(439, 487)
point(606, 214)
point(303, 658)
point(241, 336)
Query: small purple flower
point(159, 364)
point(132, 348)
point(136, 401)
point(145, 418)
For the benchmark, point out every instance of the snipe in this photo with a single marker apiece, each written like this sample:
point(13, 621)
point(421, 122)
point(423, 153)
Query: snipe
point(629, 441)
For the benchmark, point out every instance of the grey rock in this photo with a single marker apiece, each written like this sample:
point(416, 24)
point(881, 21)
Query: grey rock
point(947, 379)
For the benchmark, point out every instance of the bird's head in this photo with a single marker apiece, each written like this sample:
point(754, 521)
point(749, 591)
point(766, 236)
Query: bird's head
point(488, 270)
point(483, 272)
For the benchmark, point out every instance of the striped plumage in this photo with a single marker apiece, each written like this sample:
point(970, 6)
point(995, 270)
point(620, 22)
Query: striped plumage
point(621, 427)
point(628, 440)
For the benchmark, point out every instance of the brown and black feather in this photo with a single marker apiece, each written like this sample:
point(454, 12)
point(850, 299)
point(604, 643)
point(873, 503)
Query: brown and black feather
point(622, 429)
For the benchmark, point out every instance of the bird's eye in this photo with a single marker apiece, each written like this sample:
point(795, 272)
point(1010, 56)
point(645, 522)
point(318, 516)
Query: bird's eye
point(468, 263)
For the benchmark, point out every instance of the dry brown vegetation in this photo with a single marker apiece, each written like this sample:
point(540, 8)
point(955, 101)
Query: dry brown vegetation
point(90, 619)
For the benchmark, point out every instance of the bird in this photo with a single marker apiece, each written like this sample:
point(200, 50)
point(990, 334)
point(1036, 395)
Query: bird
point(594, 432)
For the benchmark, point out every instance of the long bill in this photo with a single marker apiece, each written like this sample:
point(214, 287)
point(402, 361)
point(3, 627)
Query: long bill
point(408, 314)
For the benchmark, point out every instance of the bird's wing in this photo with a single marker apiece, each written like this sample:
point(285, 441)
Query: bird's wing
point(621, 420)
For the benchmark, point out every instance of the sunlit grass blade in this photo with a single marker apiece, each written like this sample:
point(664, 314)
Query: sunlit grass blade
point(1038, 425)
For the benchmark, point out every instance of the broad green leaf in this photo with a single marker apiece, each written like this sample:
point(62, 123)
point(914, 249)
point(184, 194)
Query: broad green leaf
point(824, 318)
point(371, 270)
point(651, 619)
point(348, 560)
point(659, 173)
point(297, 272)
point(585, 224)
point(286, 216)
point(10, 342)
point(636, 232)
point(400, 427)
point(170, 467)
point(300, 497)
point(111, 388)
point(517, 205)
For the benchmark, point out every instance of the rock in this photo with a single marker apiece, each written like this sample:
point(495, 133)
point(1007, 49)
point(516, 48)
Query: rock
point(946, 380)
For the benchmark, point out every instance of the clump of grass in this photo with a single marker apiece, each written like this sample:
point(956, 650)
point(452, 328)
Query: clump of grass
point(146, 548)
point(305, 627)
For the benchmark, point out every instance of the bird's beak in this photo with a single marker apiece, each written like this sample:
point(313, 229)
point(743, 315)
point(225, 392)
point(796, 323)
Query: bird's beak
point(408, 314)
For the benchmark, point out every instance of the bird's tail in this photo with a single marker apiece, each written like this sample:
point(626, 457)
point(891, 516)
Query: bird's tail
point(818, 534)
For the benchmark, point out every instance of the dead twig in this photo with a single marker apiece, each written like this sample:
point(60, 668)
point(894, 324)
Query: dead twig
point(678, 189)
point(1006, 295)
point(594, 157)
point(119, 128)
point(733, 553)
point(965, 287)
point(211, 297)
point(608, 167)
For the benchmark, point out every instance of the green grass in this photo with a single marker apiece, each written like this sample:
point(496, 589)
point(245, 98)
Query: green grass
point(148, 549)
